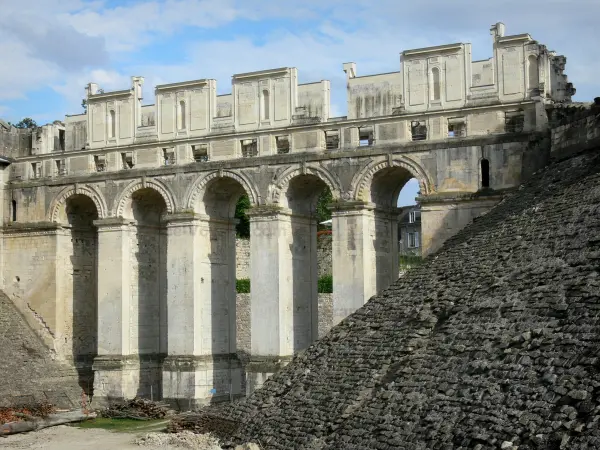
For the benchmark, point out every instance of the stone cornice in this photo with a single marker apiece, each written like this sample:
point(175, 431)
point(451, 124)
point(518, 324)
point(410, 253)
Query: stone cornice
point(31, 229)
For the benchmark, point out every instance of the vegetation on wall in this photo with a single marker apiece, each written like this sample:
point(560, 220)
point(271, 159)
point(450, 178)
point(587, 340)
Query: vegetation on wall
point(409, 261)
point(242, 286)
point(325, 285)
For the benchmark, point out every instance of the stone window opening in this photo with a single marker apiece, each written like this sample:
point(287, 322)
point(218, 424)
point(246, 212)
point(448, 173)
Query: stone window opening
point(14, 210)
point(283, 144)
point(332, 139)
point(61, 139)
point(533, 72)
point(181, 115)
point(418, 130)
point(265, 104)
point(249, 148)
point(168, 156)
point(456, 128)
point(200, 152)
point(436, 88)
point(100, 163)
point(127, 160)
point(485, 173)
point(365, 136)
point(61, 168)
point(514, 122)
point(36, 168)
point(112, 124)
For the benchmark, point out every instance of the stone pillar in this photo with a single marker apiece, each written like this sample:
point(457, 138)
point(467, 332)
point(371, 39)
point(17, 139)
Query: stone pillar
point(386, 248)
point(284, 302)
point(443, 218)
point(201, 364)
point(353, 257)
point(116, 369)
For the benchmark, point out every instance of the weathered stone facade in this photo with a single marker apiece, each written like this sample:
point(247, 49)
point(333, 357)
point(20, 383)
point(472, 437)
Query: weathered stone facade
point(126, 232)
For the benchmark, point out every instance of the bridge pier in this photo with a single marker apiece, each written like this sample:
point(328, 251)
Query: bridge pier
point(284, 305)
point(201, 365)
point(117, 369)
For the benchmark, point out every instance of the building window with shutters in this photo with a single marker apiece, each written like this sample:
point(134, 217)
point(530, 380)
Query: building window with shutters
point(413, 239)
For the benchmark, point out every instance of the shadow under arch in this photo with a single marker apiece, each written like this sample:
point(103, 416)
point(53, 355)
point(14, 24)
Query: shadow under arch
point(144, 207)
point(214, 198)
point(78, 250)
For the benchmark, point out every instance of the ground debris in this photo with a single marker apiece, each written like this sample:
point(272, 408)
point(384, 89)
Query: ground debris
point(185, 439)
point(22, 413)
point(203, 422)
point(137, 408)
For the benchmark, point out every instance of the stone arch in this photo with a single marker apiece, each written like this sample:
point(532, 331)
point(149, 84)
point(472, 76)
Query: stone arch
point(282, 181)
point(136, 185)
point(362, 180)
point(59, 202)
point(201, 182)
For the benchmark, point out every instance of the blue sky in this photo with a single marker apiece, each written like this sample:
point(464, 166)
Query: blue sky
point(52, 48)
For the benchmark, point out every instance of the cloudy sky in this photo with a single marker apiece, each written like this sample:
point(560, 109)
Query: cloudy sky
point(52, 48)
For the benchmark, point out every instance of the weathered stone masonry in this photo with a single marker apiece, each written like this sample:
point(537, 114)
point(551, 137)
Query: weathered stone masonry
point(139, 201)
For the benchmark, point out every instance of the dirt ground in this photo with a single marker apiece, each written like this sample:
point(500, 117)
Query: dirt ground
point(72, 438)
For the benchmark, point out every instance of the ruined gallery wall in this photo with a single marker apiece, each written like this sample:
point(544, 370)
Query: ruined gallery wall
point(15, 142)
point(314, 99)
point(374, 95)
point(75, 132)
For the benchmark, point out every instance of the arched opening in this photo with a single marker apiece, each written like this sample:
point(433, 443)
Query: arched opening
point(148, 314)
point(304, 197)
point(80, 308)
point(265, 104)
point(436, 84)
point(112, 124)
point(13, 210)
point(225, 275)
point(385, 190)
point(181, 115)
point(533, 73)
point(485, 173)
point(409, 227)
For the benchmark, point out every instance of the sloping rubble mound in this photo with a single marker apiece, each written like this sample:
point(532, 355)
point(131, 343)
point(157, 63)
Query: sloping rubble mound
point(492, 343)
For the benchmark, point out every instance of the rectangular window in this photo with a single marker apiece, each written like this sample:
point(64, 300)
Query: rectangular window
point(61, 167)
point(127, 160)
point(168, 156)
point(249, 148)
point(365, 136)
point(418, 130)
point(412, 216)
point(36, 169)
point(283, 144)
point(457, 129)
point(200, 152)
point(514, 122)
point(332, 139)
point(100, 163)
point(413, 240)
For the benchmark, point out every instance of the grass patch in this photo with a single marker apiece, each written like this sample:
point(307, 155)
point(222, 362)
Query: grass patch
point(325, 285)
point(242, 286)
point(124, 425)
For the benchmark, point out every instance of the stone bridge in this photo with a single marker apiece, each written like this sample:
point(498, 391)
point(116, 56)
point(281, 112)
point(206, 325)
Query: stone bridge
point(119, 229)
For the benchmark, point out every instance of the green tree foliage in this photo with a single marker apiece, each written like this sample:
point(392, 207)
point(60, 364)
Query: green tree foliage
point(325, 284)
point(27, 122)
point(242, 286)
point(323, 212)
point(242, 229)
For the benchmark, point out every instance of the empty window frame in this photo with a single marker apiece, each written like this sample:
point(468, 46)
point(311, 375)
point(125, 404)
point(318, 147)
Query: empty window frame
point(456, 128)
point(200, 152)
point(533, 72)
point(168, 156)
point(514, 122)
point(61, 139)
point(249, 148)
point(365, 136)
point(418, 130)
point(283, 144)
point(485, 173)
point(13, 204)
point(61, 167)
point(36, 169)
point(332, 139)
point(127, 160)
point(100, 163)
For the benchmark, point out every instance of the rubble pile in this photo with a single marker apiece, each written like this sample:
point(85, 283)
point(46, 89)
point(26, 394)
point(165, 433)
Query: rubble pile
point(203, 422)
point(137, 408)
point(18, 414)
